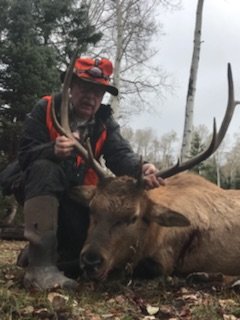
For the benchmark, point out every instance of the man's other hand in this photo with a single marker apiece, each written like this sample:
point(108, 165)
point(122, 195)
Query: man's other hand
point(149, 176)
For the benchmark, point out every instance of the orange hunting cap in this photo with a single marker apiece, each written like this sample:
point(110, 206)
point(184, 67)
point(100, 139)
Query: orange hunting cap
point(97, 71)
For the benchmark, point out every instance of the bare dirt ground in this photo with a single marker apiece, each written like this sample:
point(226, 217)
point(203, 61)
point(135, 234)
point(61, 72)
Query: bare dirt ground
point(118, 299)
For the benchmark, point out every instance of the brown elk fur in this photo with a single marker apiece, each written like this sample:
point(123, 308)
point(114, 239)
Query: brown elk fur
point(214, 215)
point(123, 228)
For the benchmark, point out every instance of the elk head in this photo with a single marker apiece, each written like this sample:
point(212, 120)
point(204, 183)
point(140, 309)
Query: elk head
point(120, 209)
point(120, 214)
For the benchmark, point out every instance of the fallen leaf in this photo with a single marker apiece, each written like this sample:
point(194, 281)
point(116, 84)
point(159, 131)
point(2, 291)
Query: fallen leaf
point(152, 310)
point(193, 297)
point(27, 310)
point(53, 295)
point(185, 312)
point(227, 302)
point(107, 316)
point(95, 317)
point(58, 300)
point(120, 299)
point(9, 276)
point(166, 309)
point(229, 317)
point(184, 290)
point(43, 313)
point(74, 303)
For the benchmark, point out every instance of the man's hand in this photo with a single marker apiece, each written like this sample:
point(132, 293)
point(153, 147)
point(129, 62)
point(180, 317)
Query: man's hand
point(63, 147)
point(151, 181)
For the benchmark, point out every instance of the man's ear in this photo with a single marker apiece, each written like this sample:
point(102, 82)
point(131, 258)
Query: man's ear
point(167, 217)
point(82, 194)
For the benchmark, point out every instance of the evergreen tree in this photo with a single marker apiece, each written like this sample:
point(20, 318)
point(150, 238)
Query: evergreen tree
point(197, 146)
point(37, 37)
point(209, 170)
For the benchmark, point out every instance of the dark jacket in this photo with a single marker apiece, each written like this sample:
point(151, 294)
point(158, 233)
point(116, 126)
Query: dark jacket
point(36, 143)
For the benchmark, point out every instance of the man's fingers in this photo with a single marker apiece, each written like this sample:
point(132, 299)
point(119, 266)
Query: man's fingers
point(64, 140)
point(161, 181)
point(151, 181)
point(63, 146)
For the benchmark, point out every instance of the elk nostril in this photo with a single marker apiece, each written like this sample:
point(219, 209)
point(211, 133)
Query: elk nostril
point(91, 260)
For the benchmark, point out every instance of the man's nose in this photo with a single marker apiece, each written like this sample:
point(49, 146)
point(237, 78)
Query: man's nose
point(90, 92)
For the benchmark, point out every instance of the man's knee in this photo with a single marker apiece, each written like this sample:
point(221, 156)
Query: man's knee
point(44, 166)
point(45, 177)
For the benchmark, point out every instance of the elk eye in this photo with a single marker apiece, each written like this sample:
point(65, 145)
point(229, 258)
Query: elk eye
point(118, 223)
point(125, 221)
point(146, 220)
point(133, 219)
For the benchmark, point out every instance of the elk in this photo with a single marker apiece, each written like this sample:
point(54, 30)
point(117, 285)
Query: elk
point(189, 225)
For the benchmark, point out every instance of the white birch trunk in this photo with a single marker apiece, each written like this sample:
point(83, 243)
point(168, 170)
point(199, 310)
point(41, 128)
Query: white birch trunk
point(188, 125)
point(115, 101)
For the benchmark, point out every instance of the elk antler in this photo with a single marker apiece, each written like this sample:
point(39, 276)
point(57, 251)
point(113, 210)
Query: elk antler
point(64, 127)
point(216, 138)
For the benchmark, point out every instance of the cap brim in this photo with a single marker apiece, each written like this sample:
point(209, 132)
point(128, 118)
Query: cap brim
point(110, 89)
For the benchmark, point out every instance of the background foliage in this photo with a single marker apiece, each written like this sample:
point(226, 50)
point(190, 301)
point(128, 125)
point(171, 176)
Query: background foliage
point(37, 38)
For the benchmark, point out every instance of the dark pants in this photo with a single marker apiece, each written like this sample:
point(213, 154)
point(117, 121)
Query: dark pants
point(45, 177)
point(48, 178)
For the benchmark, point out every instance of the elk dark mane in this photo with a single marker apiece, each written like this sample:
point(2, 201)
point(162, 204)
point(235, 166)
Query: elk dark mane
point(119, 186)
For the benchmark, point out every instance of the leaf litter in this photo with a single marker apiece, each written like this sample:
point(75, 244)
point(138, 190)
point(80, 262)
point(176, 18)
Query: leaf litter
point(139, 300)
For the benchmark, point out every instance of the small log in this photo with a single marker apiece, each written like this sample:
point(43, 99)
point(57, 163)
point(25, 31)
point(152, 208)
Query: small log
point(12, 232)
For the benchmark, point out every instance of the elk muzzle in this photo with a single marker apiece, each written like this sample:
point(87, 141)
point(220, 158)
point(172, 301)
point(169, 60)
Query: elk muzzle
point(92, 262)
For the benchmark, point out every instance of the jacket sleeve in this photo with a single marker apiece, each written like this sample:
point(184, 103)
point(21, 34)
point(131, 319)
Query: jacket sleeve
point(35, 142)
point(117, 152)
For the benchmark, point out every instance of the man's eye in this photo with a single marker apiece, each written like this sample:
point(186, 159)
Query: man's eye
point(99, 92)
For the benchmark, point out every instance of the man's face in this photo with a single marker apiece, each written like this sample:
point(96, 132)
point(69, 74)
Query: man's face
point(86, 98)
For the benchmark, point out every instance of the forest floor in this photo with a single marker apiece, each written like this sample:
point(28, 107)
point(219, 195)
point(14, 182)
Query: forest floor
point(118, 299)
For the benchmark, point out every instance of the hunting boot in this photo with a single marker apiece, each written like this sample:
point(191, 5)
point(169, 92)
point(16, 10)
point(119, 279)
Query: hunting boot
point(41, 215)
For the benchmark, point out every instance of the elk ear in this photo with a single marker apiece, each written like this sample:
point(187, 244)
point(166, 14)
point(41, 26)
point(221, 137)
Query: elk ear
point(82, 194)
point(167, 217)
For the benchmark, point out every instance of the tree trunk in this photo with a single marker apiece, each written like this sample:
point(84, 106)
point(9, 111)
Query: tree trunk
point(11, 213)
point(188, 125)
point(115, 101)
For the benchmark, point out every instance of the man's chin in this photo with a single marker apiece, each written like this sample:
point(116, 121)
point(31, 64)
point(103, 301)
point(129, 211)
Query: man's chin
point(86, 112)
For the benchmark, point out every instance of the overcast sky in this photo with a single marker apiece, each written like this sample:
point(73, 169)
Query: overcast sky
point(221, 44)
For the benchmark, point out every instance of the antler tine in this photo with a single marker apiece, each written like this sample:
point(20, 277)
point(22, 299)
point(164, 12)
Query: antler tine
point(216, 139)
point(64, 127)
point(93, 163)
point(170, 171)
point(67, 133)
point(179, 167)
point(229, 111)
point(65, 95)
